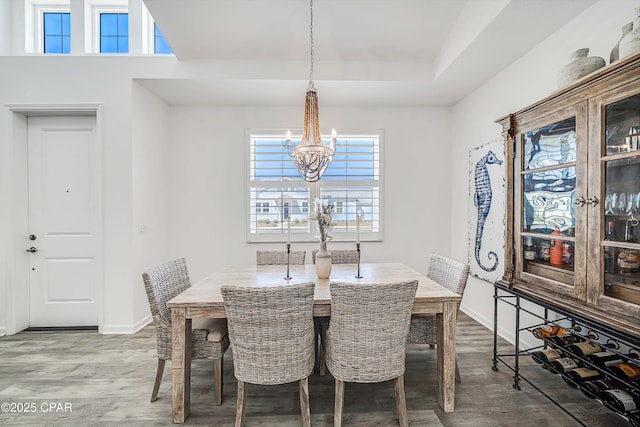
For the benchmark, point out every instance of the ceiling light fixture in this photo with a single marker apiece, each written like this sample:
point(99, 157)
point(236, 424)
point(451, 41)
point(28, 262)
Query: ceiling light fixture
point(311, 155)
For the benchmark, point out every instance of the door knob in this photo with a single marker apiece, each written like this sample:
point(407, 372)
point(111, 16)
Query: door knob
point(32, 250)
point(32, 237)
point(580, 201)
point(592, 201)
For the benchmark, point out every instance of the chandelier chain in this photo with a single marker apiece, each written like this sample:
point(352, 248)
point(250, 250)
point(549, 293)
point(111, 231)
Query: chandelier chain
point(311, 45)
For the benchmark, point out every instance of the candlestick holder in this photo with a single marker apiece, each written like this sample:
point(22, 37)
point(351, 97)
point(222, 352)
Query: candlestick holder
point(358, 276)
point(287, 277)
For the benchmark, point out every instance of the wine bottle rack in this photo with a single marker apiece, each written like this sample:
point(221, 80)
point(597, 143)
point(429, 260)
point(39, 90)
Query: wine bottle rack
point(613, 340)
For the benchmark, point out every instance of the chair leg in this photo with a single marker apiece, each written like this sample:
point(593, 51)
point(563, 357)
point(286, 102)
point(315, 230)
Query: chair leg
point(401, 404)
point(217, 373)
point(304, 402)
point(323, 362)
point(457, 371)
point(156, 386)
point(241, 403)
point(339, 402)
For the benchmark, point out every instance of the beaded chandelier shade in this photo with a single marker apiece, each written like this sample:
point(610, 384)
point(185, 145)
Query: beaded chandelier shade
point(312, 155)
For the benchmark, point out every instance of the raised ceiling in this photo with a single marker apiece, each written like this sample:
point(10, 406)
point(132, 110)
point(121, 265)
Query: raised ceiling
point(367, 52)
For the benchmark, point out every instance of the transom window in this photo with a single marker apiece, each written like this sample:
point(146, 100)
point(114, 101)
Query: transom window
point(114, 32)
point(352, 183)
point(160, 44)
point(56, 29)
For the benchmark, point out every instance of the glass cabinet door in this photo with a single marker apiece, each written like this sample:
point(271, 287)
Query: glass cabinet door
point(620, 212)
point(549, 172)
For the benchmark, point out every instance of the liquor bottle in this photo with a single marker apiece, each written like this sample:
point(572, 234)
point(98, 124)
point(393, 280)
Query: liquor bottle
point(605, 358)
point(628, 262)
point(628, 232)
point(584, 348)
point(576, 376)
point(529, 249)
point(564, 364)
point(620, 400)
point(626, 371)
point(611, 253)
point(567, 254)
point(543, 251)
point(545, 356)
point(555, 251)
point(593, 389)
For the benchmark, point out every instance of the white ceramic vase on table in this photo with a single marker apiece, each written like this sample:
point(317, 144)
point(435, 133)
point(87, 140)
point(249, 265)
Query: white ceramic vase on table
point(323, 262)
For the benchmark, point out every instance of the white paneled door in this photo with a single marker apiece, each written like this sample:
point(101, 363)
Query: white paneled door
point(63, 239)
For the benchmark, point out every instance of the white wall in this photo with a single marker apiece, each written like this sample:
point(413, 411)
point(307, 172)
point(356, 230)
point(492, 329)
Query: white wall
point(209, 170)
point(529, 79)
point(151, 199)
point(35, 82)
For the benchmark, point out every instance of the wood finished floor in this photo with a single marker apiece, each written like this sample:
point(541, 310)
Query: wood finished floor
point(107, 380)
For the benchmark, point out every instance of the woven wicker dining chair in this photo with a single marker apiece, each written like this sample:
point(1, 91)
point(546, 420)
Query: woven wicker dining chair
point(271, 333)
point(367, 337)
point(209, 338)
point(451, 274)
point(280, 257)
point(339, 256)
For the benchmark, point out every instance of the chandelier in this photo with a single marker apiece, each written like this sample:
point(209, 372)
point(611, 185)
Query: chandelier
point(311, 155)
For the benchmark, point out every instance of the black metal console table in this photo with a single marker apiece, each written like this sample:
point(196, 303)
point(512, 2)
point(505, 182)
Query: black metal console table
point(596, 332)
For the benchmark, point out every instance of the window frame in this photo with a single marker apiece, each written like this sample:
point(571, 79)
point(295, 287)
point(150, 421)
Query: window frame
point(96, 11)
point(148, 34)
point(314, 188)
point(39, 8)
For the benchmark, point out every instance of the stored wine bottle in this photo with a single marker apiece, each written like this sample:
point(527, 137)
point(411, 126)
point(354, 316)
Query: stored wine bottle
point(564, 340)
point(546, 331)
point(604, 358)
point(564, 364)
point(580, 375)
point(584, 348)
point(545, 356)
point(620, 400)
point(626, 371)
point(592, 389)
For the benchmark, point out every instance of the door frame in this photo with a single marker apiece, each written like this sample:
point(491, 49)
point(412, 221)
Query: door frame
point(17, 288)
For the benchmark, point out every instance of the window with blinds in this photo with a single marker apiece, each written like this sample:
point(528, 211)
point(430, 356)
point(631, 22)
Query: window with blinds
point(278, 196)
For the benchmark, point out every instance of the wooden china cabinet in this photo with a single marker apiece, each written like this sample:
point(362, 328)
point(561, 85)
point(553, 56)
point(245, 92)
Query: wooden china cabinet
point(573, 197)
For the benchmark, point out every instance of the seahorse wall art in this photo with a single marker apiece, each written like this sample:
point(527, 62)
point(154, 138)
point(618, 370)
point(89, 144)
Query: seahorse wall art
point(482, 201)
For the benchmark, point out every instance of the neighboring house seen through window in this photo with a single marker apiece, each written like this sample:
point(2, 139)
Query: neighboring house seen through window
point(277, 193)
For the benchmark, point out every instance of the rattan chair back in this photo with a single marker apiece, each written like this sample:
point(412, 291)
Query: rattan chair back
point(280, 257)
point(271, 332)
point(339, 256)
point(368, 331)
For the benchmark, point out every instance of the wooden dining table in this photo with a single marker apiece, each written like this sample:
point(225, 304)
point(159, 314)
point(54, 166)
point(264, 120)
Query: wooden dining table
point(204, 300)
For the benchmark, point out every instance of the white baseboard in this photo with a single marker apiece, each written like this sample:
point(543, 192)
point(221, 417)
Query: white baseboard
point(142, 323)
point(126, 329)
point(526, 341)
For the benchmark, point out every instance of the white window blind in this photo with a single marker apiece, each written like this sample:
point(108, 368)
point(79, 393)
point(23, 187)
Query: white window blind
point(278, 195)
